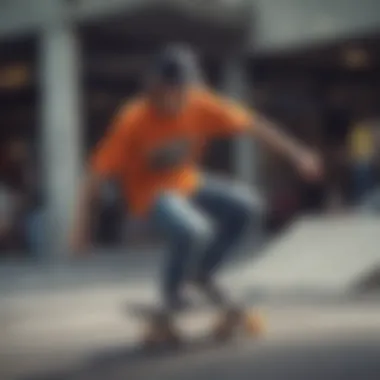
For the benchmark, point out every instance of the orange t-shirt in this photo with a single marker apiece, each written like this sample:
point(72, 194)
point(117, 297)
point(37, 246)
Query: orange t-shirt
point(151, 153)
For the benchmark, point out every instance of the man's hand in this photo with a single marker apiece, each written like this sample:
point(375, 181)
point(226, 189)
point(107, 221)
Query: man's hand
point(309, 165)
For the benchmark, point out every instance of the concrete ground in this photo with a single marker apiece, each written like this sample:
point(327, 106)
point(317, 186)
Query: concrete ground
point(90, 336)
point(69, 321)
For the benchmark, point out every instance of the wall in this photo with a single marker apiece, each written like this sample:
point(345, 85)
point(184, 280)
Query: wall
point(23, 16)
point(26, 16)
point(288, 23)
point(281, 23)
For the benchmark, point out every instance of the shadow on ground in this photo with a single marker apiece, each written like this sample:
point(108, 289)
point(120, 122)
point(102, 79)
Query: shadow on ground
point(332, 359)
point(127, 361)
point(130, 361)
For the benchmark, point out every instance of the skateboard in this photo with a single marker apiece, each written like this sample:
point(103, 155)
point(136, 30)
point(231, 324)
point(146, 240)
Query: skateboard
point(160, 334)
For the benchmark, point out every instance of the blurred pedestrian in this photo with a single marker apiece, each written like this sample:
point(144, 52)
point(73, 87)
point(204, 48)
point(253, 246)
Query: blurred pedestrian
point(335, 131)
point(362, 154)
point(18, 174)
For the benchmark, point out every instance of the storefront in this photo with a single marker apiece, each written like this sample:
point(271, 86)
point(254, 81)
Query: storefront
point(319, 93)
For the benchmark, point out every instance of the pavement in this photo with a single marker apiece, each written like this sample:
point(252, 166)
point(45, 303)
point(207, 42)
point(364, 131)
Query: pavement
point(314, 340)
point(69, 321)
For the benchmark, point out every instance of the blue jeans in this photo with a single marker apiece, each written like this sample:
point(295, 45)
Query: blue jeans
point(201, 230)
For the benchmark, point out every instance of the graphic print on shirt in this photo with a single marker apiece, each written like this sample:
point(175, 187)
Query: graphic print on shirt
point(171, 155)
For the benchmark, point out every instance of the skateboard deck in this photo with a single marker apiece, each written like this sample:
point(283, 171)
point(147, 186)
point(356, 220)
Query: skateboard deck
point(252, 327)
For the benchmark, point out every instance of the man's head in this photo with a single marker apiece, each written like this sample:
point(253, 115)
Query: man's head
point(171, 73)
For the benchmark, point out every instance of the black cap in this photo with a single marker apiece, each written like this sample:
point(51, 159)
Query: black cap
point(174, 65)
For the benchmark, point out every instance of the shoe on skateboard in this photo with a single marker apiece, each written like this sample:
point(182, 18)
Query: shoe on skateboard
point(160, 332)
point(233, 321)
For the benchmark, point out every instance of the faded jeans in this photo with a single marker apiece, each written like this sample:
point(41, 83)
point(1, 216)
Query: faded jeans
point(201, 230)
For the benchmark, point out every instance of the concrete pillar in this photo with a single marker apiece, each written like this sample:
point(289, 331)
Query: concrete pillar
point(245, 151)
point(61, 130)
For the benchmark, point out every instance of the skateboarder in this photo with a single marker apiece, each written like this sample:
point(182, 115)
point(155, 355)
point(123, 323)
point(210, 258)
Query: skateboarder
point(153, 148)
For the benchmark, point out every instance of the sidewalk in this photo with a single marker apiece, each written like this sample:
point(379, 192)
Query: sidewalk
point(69, 336)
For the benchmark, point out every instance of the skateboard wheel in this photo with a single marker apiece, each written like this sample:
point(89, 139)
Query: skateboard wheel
point(254, 324)
point(224, 335)
point(225, 329)
point(151, 339)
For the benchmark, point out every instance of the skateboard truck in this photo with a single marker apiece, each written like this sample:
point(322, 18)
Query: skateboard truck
point(160, 332)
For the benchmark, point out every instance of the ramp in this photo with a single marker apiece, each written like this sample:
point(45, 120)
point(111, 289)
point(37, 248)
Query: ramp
point(321, 254)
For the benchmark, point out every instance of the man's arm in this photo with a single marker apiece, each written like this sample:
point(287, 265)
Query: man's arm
point(225, 117)
point(306, 161)
point(271, 135)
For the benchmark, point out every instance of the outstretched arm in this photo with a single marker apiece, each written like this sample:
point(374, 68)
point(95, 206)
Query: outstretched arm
point(307, 162)
point(225, 117)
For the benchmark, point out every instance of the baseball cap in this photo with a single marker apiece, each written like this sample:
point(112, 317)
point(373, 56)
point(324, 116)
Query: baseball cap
point(174, 65)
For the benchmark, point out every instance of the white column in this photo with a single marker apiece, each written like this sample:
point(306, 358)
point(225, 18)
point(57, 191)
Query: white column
point(61, 130)
point(235, 85)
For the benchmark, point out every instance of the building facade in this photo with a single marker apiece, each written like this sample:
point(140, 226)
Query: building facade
point(226, 29)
